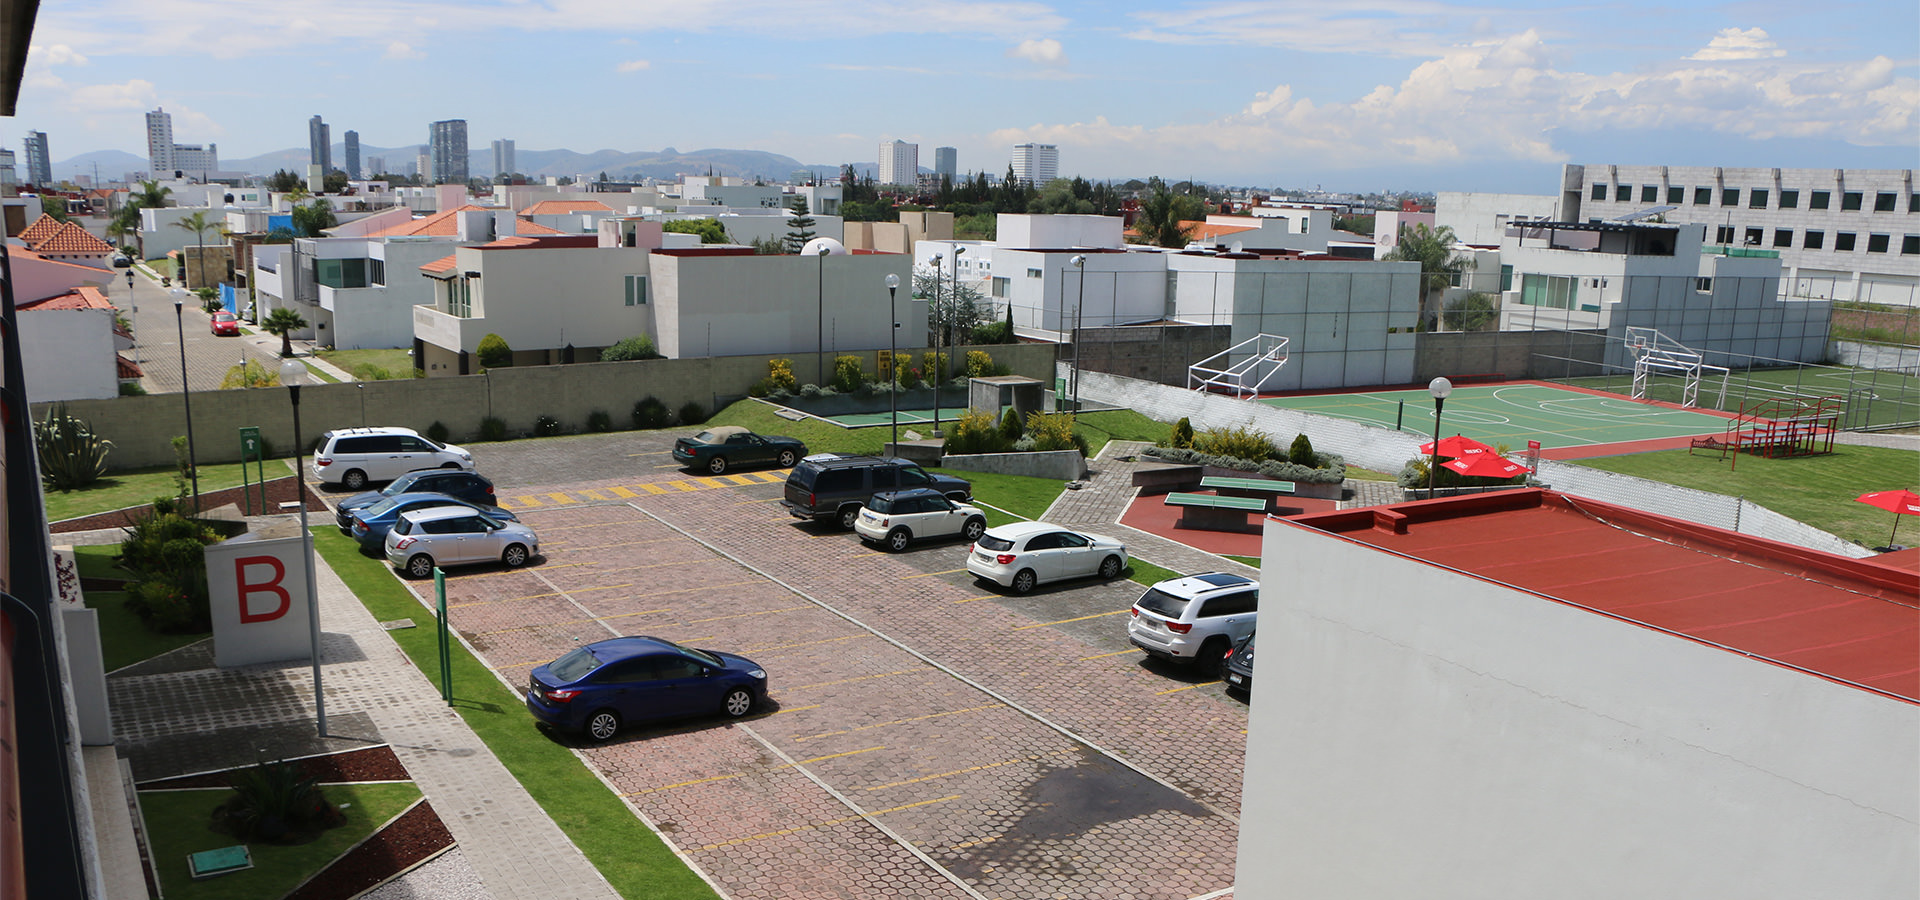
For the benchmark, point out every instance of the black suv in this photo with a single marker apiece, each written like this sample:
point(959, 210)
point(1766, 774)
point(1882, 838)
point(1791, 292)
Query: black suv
point(823, 487)
point(469, 486)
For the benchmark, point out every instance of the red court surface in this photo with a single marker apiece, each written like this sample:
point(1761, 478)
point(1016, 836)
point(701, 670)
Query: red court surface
point(1852, 621)
point(1151, 514)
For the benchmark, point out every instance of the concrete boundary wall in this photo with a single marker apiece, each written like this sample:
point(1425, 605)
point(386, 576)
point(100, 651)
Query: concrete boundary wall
point(1384, 450)
point(142, 428)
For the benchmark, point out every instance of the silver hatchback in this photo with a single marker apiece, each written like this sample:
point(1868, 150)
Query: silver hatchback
point(456, 535)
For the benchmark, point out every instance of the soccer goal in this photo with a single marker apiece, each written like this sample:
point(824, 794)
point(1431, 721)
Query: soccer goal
point(1655, 354)
point(1245, 368)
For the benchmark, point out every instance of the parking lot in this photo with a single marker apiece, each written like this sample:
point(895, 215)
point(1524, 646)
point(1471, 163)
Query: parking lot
point(928, 736)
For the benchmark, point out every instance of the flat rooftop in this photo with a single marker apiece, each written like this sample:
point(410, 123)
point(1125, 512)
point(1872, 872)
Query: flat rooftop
point(1852, 621)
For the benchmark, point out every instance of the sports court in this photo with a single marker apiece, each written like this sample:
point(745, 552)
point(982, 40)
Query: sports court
point(1515, 413)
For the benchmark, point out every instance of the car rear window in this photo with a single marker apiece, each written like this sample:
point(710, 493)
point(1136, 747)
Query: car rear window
point(880, 503)
point(574, 665)
point(803, 477)
point(995, 543)
point(1161, 603)
point(707, 437)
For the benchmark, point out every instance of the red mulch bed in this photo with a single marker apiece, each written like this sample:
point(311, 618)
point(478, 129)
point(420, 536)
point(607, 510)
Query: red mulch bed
point(415, 837)
point(370, 764)
point(278, 491)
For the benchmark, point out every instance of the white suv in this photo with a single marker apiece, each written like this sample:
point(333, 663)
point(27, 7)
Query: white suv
point(352, 457)
point(1196, 619)
point(894, 519)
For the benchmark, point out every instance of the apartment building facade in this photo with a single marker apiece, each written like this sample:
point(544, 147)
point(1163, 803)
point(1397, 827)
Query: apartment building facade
point(899, 163)
point(1036, 164)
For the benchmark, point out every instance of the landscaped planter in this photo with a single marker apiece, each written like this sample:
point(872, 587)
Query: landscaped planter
point(1060, 465)
point(1326, 491)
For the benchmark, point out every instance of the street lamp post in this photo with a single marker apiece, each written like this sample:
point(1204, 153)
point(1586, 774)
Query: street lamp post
point(291, 372)
point(1439, 387)
point(933, 373)
point(893, 359)
point(953, 297)
point(820, 318)
point(135, 304)
point(1079, 265)
point(186, 390)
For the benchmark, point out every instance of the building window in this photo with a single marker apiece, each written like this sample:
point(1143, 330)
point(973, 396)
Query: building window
point(340, 273)
point(1843, 241)
point(1599, 192)
point(1757, 199)
point(1552, 291)
point(459, 298)
point(1910, 245)
point(1703, 285)
point(1649, 193)
point(1752, 238)
point(1702, 196)
point(1877, 243)
point(377, 271)
point(1913, 203)
point(1723, 234)
point(1506, 274)
point(1820, 200)
point(636, 290)
point(1033, 273)
point(1814, 240)
point(1789, 198)
point(1000, 287)
point(1850, 201)
point(1783, 237)
point(1883, 201)
point(1676, 195)
point(1623, 192)
point(1729, 196)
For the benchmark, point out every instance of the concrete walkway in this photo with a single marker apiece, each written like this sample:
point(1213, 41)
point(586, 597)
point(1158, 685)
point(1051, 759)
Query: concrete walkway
point(177, 714)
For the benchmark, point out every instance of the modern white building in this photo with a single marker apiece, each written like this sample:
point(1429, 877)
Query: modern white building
point(170, 160)
point(899, 163)
point(503, 163)
point(1840, 234)
point(1481, 219)
point(1038, 232)
point(1036, 164)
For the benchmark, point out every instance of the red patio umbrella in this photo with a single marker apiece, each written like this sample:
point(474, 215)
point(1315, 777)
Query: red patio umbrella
point(1456, 447)
point(1485, 465)
point(1900, 503)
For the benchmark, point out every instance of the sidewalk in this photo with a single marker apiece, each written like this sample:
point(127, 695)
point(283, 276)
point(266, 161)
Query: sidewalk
point(177, 714)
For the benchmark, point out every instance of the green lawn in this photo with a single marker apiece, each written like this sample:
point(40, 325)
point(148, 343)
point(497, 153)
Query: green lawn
point(1023, 496)
point(1097, 427)
point(138, 487)
point(1817, 490)
point(124, 639)
point(625, 851)
point(177, 825)
point(371, 365)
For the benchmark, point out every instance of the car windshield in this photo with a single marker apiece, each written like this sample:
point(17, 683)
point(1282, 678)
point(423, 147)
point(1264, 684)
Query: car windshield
point(432, 443)
point(574, 665)
point(992, 542)
point(702, 656)
point(1157, 601)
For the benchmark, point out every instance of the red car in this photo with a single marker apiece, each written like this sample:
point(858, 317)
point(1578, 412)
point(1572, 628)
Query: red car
point(226, 323)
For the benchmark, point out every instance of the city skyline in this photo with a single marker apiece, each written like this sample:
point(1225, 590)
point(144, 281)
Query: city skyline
point(1387, 94)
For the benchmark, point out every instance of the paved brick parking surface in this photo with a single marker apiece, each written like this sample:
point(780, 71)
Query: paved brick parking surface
point(929, 737)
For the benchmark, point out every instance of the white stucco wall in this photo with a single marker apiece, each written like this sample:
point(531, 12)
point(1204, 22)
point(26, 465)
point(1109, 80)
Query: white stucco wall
point(1348, 322)
point(1481, 218)
point(38, 279)
point(1420, 733)
point(737, 305)
point(548, 298)
point(67, 354)
point(1120, 288)
point(1024, 232)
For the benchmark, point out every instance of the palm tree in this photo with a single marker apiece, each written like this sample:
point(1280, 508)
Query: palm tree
point(1161, 213)
point(199, 225)
point(1433, 250)
point(150, 195)
point(283, 322)
point(313, 218)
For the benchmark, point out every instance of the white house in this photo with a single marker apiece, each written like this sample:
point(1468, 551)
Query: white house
point(1481, 219)
point(1045, 232)
point(69, 345)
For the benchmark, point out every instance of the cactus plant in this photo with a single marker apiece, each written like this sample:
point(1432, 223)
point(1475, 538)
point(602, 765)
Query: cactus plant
point(71, 455)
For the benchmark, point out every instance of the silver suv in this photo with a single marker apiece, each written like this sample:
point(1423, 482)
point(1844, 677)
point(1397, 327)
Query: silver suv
point(1195, 619)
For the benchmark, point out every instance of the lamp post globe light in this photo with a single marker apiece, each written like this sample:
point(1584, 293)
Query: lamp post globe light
point(292, 371)
point(893, 362)
point(1439, 387)
point(186, 389)
point(1079, 265)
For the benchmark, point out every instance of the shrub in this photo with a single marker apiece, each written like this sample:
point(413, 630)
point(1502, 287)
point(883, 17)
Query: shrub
point(902, 368)
point(780, 375)
point(1329, 468)
point(813, 391)
point(760, 388)
point(996, 333)
point(169, 586)
point(545, 426)
point(650, 413)
point(599, 422)
point(1011, 428)
point(1182, 434)
point(1239, 442)
point(979, 364)
point(1301, 453)
point(636, 347)
point(974, 432)
point(692, 413)
point(371, 372)
point(437, 431)
point(132, 389)
point(250, 375)
point(932, 365)
point(493, 352)
point(273, 802)
point(71, 455)
point(492, 428)
point(847, 374)
point(1054, 431)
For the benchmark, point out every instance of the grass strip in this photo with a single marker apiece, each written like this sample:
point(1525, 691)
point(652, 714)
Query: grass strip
point(137, 487)
point(177, 826)
point(124, 639)
point(631, 857)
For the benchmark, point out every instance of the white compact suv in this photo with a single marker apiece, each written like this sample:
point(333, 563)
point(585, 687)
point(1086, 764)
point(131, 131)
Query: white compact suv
point(352, 457)
point(894, 519)
point(1195, 619)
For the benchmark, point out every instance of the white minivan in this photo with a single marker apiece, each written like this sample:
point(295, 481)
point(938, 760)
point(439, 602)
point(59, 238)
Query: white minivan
point(352, 457)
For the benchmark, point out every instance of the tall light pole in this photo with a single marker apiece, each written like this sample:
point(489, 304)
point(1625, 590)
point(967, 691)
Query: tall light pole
point(893, 360)
point(933, 373)
point(1439, 387)
point(291, 372)
point(820, 318)
point(135, 304)
point(186, 390)
point(1079, 265)
point(953, 296)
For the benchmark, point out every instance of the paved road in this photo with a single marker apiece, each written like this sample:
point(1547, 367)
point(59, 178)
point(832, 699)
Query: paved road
point(157, 334)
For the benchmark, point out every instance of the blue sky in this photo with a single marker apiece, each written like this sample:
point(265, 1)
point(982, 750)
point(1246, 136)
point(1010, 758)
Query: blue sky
point(1363, 95)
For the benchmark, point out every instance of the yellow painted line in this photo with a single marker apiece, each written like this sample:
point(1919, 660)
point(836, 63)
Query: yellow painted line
point(802, 687)
point(977, 843)
point(664, 565)
point(865, 555)
point(931, 574)
point(1115, 653)
point(622, 493)
point(980, 768)
point(516, 666)
point(765, 612)
point(740, 479)
point(954, 712)
point(652, 488)
point(548, 528)
point(650, 453)
point(1186, 688)
point(540, 596)
point(680, 485)
point(972, 599)
point(710, 482)
point(562, 498)
point(592, 494)
point(1075, 619)
point(840, 821)
point(785, 710)
point(668, 787)
point(774, 647)
point(674, 465)
point(529, 501)
point(506, 572)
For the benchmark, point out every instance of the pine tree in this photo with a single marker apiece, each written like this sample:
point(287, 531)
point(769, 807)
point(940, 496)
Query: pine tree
point(800, 226)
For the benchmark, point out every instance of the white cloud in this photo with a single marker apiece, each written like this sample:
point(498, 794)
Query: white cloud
point(402, 50)
point(55, 55)
point(633, 65)
point(1733, 43)
point(134, 94)
point(1045, 51)
point(1388, 27)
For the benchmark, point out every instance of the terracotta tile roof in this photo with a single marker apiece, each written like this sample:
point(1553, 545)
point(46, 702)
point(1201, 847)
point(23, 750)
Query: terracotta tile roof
point(70, 239)
point(78, 298)
point(443, 264)
point(40, 230)
point(101, 192)
point(525, 227)
point(562, 207)
point(127, 368)
point(1206, 230)
point(446, 224)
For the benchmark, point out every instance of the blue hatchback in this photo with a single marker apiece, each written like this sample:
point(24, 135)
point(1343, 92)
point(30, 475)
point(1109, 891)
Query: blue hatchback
point(369, 525)
point(596, 689)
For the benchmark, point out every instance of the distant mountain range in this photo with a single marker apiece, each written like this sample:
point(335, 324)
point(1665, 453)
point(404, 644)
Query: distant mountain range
point(619, 165)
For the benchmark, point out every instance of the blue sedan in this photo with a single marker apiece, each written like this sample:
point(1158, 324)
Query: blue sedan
point(369, 525)
point(596, 689)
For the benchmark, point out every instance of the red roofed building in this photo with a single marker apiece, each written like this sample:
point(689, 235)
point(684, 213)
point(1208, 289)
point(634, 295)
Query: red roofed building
point(568, 216)
point(1532, 694)
point(66, 242)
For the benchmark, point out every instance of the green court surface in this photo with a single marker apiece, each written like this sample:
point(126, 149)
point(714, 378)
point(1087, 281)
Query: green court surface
point(907, 417)
point(1871, 398)
point(1513, 415)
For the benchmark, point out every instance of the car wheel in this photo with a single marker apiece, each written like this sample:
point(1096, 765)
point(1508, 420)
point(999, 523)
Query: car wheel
point(787, 459)
point(354, 480)
point(1212, 657)
point(603, 724)
point(1110, 568)
point(717, 465)
point(848, 515)
point(1024, 580)
point(739, 702)
point(974, 528)
point(515, 557)
point(898, 539)
point(420, 565)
